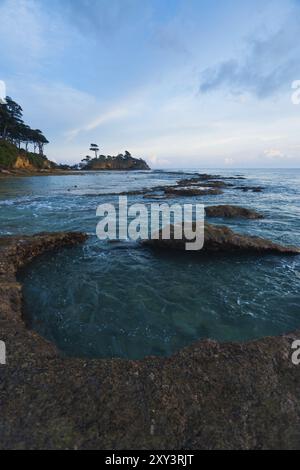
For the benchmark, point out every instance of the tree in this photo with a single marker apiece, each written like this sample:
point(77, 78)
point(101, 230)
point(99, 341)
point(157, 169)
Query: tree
point(86, 159)
point(14, 130)
point(94, 148)
point(40, 141)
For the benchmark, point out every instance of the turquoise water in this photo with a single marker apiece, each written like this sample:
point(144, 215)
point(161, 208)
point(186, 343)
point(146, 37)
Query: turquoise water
point(120, 300)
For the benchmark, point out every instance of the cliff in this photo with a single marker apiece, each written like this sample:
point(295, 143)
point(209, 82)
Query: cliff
point(12, 158)
point(120, 162)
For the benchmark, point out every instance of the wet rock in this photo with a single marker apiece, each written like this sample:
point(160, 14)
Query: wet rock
point(197, 179)
point(138, 192)
point(254, 189)
point(219, 239)
point(17, 251)
point(208, 396)
point(189, 192)
point(211, 184)
point(232, 212)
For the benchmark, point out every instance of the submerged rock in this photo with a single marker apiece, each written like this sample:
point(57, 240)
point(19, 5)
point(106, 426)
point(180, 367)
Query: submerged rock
point(223, 239)
point(210, 184)
point(228, 211)
point(254, 189)
point(186, 192)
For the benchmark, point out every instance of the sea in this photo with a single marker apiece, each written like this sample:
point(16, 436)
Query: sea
point(122, 300)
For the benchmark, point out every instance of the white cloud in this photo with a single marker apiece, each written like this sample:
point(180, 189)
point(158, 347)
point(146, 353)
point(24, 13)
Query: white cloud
point(106, 117)
point(274, 153)
point(21, 30)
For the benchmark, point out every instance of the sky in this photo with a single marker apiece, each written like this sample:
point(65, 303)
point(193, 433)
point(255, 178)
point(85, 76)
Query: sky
point(180, 83)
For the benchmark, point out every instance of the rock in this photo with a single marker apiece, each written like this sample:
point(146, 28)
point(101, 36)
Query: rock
point(211, 184)
point(232, 212)
point(17, 251)
point(254, 189)
point(223, 239)
point(206, 180)
point(197, 179)
point(189, 192)
point(207, 396)
point(138, 192)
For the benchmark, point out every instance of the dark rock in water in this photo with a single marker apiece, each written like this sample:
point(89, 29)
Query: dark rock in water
point(207, 396)
point(138, 192)
point(232, 212)
point(154, 196)
point(175, 191)
point(254, 189)
point(16, 251)
point(219, 239)
point(205, 176)
point(197, 179)
point(211, 184)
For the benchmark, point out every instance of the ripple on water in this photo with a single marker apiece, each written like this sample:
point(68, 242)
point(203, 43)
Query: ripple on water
point(133, 303)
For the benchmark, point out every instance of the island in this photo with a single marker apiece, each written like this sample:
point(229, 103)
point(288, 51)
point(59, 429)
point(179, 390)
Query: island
point(119, 162)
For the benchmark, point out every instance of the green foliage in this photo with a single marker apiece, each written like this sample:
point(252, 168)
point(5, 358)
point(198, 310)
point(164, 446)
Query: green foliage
point(8, 154)
point(14, 130)
point(36, 160)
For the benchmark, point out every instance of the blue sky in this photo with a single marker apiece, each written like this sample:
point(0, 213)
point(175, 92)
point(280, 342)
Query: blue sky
point(181, 83)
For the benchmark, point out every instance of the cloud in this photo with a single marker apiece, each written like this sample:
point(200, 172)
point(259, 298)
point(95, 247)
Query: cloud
point(109, 116)
point(266, 66)
point(129, 106)
point(274, 154)
point(102, 17)
point(21, 32)
point(229, 161)
point(156, 161)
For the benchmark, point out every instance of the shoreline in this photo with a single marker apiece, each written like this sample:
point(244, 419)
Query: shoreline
point(28, 174)
point(209, 395)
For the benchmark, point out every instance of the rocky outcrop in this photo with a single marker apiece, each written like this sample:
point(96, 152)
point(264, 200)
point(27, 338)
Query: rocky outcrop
point(253, 189)
point(190, 192)
point(119, 163)
point(17, 161)
point(22, 163)
point(219, 239)
point(232, 212)
point(208, 396)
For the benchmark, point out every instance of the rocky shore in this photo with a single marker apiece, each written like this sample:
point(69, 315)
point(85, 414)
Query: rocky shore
point(221, 239)
point(208, 396)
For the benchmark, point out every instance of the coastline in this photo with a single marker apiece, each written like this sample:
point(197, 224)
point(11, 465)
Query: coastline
point(28, 174)
point(208, 396)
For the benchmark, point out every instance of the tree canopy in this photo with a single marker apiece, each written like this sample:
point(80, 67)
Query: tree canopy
point(14, 130)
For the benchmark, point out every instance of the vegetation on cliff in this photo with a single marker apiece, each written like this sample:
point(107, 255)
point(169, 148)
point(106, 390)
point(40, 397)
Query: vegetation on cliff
point(11, 157)
point(16, 138)
point(107, 162)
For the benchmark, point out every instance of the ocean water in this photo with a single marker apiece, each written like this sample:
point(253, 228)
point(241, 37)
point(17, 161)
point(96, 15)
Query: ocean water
point(121, 300)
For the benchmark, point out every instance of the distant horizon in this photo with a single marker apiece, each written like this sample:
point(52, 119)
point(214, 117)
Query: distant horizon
point(168, 80)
